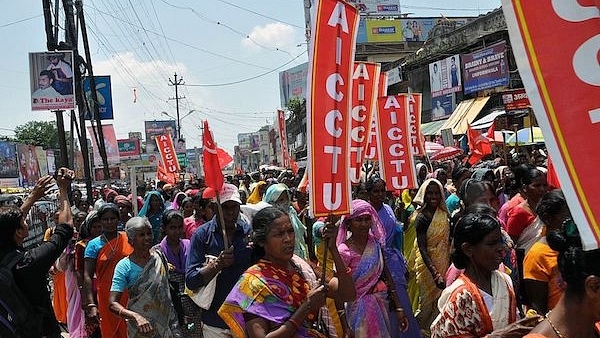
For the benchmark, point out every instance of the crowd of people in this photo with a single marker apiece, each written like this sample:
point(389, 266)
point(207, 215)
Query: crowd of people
point(490, 251)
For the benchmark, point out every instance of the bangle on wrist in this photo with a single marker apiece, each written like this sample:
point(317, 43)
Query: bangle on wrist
point(121, 311)
point(91, 305)
point(399, 309)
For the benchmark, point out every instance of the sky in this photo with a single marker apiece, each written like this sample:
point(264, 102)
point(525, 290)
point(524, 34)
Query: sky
point(228, 52)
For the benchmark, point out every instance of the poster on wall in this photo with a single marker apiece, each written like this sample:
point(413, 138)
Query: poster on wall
point(8, 160)
point(110, 144)
point(485, 69)
point(444, 76)
point(442, 107)
point(292, 83)
point(155, 128)
point(51, 80)
point(29, 169)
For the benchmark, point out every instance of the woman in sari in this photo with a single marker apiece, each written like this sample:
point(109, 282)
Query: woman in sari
point(369, 314)
point(523, 224)
point(432, 249)
point(153, 209)
point(100, 258)
point(278, 195)
point(175, 248)
point(280, 296)
point(144, 274)
point(481, 302)
point(392, 250)
point(91, 228)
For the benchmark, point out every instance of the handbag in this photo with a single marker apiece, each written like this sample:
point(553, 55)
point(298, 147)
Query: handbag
point(204, 296)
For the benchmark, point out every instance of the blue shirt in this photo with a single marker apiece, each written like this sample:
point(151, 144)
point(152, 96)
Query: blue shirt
point(93, 247)
point(208, 240)
point(126, 273)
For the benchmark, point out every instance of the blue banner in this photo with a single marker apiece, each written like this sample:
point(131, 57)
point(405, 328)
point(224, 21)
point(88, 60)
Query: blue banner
point(103, 91)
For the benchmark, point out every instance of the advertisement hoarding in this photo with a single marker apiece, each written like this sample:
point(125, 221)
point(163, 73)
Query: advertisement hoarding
point(384, 31)
point(110, 144)
point(442, 107)
point(104, 93)
point(515, 99)
point(292, 83)
point(377, 7)
point(8, 160)
point(129, 148)
point(485, 69)
point(155, 128)
point(51, 78)
point(444, 76)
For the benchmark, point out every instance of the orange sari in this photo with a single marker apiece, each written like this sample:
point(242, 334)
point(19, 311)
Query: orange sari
point(108, 257)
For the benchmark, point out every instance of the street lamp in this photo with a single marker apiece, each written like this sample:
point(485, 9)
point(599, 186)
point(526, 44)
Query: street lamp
point(178, 120)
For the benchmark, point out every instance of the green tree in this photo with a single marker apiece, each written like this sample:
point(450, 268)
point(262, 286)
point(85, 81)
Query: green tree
point(38, 133)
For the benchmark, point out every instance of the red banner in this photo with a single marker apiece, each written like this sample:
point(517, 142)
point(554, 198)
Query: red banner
point(561, 74)
point(213, 177)
point(163, 175)
point(285, 155)
point(396, 162)
point(164, 143)
point(364, 103)
point(328, 106)
point(515, 99)
point(371, 152)
point(414, 119)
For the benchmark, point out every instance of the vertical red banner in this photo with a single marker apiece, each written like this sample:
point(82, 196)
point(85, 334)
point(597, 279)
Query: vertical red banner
point(331, 61)
point(165, 146)
point(395, 156)
point(414, 119)
point(213, 177)
point(561, 74)
point(364, 103)
point(285, 155)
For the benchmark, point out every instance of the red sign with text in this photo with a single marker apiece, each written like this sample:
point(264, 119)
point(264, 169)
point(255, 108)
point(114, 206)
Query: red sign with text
point(395, 155)
point(414, 120)
point(364, 103)
point(331, 63)
point(164, 143)
point(515, 99)
point(561, 73)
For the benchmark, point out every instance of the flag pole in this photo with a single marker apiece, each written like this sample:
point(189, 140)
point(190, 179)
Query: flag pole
point(222, 222)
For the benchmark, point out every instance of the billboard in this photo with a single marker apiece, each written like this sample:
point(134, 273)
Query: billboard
point(104, 93)
point(155, 128)
point(515, 99)
point(384, 31)
point(129, 148)
point(442, 107)
point(8, 160)
point(51, 78)
point(444, 76)
point(110, 143)
point(292, 83)
point(29, 169)
point(51, 161)
point(42, 159)
point(249, 141)
point(377, 7)
point(485, 69)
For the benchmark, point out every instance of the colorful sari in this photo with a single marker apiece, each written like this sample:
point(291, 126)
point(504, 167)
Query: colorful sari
point(438, 249)
point(368, 314)
point(150, 297)
point(270, 292)
point(111, 253)
point(410, 253)
point(463, 313)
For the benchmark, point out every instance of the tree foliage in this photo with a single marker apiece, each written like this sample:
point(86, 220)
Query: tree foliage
point(38, 133)
point(297, 108)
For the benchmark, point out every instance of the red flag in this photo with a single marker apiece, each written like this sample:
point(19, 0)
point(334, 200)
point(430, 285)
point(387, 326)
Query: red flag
point(213, 177)
point(294, 165)
point(491, 132)
point(224, 157)
point(551, 176)
point(478, 144)
point(163, 175)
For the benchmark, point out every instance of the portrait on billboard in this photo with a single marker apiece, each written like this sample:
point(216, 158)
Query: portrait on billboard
point(51, 78)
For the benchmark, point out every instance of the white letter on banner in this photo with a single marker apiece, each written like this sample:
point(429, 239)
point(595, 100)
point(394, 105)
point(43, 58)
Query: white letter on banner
point(398, 164)
point(394, 134)
point(338, 17)
point(361, 71)
point(330, 123)
point(330, 85)
point(356, 113)
point(585, 61)
point(391, 102)
point(358, 151)
point(358, 134)
point(327, 194)
point(361, 92)
point(397, 184)
point(396, 150)
point(571, 10)
point(336, 151)
point(354, 174)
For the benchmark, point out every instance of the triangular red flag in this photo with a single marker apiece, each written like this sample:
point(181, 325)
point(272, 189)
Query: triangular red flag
point(551, 176)
point(491, 131)
point(479, 145)
point(224, 157)
point(213, 177)
point(163, 175)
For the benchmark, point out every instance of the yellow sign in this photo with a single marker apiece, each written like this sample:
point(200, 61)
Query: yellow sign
point(384, 31)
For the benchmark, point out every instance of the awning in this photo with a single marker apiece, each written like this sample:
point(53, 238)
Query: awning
point(464, 114)
point(486, 121)
point(432, 128)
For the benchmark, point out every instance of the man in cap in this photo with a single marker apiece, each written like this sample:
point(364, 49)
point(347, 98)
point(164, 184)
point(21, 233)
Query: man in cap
point(231, 261)
point(63, 73)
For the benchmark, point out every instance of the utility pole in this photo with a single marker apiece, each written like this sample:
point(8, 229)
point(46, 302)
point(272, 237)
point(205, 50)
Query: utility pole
point(177, 83)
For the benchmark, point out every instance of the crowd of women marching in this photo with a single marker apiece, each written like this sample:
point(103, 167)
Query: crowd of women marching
point(472, 252)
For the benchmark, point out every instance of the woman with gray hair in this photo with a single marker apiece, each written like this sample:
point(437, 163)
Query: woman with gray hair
point(144, 275)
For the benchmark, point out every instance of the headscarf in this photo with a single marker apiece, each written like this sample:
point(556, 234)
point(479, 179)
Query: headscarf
point(255, 196)
point(406, 199)
point(420, 197)
point(480, 173)
point(360, 208)
point(109, 192)
point(175, 205)
point(146, 207)
point(122, 201)
point(84, 230)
